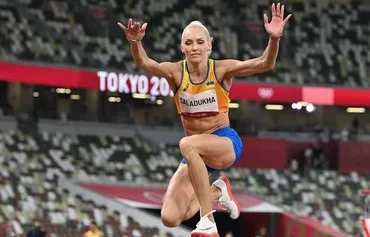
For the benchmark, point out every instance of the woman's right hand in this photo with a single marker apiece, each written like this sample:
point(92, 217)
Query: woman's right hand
point(134, 32)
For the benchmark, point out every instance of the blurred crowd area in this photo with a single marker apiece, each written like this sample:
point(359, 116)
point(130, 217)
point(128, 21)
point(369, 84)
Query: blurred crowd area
point(32, 165)
point(326, 42)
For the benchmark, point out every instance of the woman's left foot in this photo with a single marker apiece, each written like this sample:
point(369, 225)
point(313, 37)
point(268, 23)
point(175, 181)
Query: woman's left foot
point(227, 200)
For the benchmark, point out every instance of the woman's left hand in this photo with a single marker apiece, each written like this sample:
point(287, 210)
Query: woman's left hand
point(276, 26)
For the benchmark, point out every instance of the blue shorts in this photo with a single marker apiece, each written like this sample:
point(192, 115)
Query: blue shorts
point(235, 139)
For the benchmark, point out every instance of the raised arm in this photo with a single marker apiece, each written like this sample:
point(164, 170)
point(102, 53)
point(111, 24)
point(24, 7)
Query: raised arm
point(134, 34)
point(267, 60)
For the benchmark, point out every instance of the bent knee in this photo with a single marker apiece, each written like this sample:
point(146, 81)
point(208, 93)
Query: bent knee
point(187, 146)
point(169, 219)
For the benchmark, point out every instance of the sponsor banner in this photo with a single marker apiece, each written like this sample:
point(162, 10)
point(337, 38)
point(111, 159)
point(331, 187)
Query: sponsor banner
point(257, 153)
point(346, 156)
point(149, 197)
point(318, 95)
point(152, 197)
point(48, 76)
point(302, 226)
point(265, 92)
point(353, 156)
point(143, 84)
point(130, 83)
point(255, 224)
point(74, 78)
point(353, 97)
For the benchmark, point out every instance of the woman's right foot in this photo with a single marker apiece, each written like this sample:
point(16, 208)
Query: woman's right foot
point(205, 228)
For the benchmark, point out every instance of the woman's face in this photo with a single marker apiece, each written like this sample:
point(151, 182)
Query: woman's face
point(196, 45)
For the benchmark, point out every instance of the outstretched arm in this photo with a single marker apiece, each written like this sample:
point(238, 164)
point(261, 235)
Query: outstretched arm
point(267, 60)
point(275, 30)
point(134, 34)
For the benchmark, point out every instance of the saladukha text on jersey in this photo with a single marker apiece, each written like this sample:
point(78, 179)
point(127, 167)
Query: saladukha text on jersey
point(198, 102)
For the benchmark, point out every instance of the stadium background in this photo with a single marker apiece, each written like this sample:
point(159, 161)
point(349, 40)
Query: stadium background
point(86, 136)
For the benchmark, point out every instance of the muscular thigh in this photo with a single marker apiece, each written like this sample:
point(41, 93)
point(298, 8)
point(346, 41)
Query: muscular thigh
point(216, 152)
point(179, 192)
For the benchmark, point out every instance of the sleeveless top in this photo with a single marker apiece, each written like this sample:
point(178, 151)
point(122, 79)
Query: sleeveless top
point(202, 99)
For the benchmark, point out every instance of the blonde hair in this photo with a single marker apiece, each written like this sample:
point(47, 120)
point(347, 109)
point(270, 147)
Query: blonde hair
point(196, 24)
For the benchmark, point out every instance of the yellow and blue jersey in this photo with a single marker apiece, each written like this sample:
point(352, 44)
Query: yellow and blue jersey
point(204, 99)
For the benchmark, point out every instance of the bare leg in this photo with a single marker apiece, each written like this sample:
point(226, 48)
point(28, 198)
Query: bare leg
point(180, 202)
point(198, 175)
point(194, 204)
point(178, 196)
